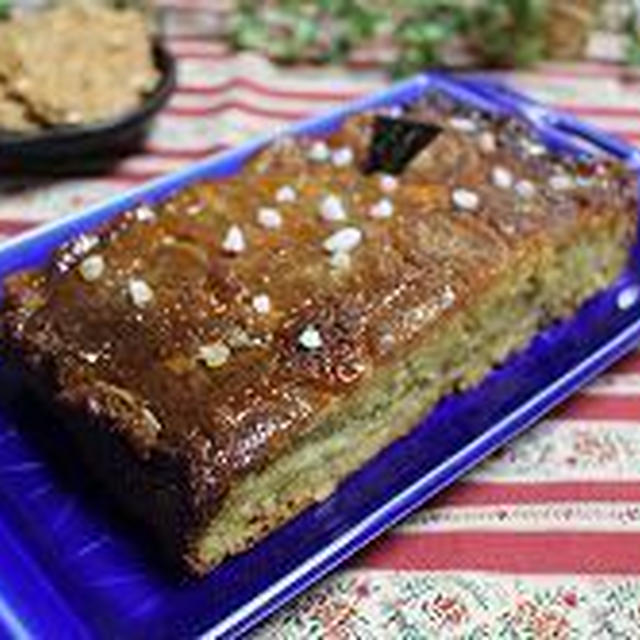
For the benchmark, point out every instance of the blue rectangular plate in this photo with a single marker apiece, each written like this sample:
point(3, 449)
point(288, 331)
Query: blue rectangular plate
point(69, 569)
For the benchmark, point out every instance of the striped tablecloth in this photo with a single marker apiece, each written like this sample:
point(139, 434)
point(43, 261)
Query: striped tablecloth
point(542, 541)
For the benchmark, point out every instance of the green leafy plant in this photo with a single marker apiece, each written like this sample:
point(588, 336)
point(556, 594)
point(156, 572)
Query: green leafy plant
point(288, 31)
point(633, 33)
point(494, 32)
point(508, 32)
point(423, 34)
point(5, 9)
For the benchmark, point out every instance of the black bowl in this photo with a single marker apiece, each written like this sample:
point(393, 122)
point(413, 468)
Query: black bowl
point(88, 148)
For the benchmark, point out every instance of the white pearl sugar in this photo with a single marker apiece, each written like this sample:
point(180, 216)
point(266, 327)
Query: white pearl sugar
point(628, 297)
point(144, 213)
point(92, 268)
point(388, 183)
point(234, 241)
point(319, 151)
point(261, 303)
point(285, 194)
point(502, 177)
point(561, 182)
point(464, 125)
point(525, 189)
point(342, 157)
point(214, 355)
point(487, 142)
point(310, 338)
point(269, 218)
point(382, 209)
point(140, 292)
point(465, 199)
point(332, 209)
point(343, 241)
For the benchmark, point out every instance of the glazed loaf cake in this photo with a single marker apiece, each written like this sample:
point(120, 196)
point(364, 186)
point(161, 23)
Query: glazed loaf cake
point(224, 358)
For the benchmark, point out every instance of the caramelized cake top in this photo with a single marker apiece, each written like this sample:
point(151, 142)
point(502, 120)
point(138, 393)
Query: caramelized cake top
point(217, 323)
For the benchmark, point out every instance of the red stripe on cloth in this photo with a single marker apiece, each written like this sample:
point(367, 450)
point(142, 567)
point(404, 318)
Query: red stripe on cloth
point(135, 175)
point(629, 136)
point(375, 60)
point(577, 73)
point(607, 111)
point(127, 177)
point(468, 494)
point(365, 63)
point(238, 105)
point(532, 552)
point(240, 82)
point(160, 151)
point(203, 55)
point(586, 66)
point(629, 364)
point(584, 406)
point(13, 226)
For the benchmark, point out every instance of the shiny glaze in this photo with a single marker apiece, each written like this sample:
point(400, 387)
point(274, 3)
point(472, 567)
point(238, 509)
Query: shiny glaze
point(409, 271)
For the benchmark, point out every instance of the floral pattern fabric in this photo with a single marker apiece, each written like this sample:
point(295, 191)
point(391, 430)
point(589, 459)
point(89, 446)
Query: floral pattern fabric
point(572, 482)
point(470, 606)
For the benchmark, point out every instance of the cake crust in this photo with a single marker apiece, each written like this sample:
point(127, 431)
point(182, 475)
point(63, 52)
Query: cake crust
point(195, 344)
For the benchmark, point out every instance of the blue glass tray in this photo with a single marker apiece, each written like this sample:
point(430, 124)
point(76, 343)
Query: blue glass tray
point(70, 569)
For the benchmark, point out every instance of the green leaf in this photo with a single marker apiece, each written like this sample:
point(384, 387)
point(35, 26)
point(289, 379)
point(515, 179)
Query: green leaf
point(252, 35)
point(5, 9)
point(633, 53)
point(508, 32)
point(305, 31)
point(500, 32)
point(632, 29)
